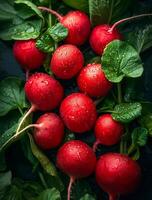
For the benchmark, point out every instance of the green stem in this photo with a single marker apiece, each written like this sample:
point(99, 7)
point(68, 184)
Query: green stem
point(20, 110)
point(43, 180)
point(131, 149)
point(119, 92)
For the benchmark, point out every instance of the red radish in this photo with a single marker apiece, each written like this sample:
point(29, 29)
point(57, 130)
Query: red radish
point(103, 34)
point(117, 174)
point(77, 23)
point(50, 132)
point(44, 92)
point(107, 131)
point(66, 61)
point(77, 160)
point(28, 56)
point(78, 112)
point(92, 81)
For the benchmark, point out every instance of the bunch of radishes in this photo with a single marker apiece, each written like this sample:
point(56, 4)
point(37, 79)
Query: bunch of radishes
point(116, 173)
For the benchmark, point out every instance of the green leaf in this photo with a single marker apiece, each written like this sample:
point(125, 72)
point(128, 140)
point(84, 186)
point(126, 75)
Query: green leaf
point(9, 120)
point(45, 43)
point(136, 154)
point(81, 188)
point(8, 137)
point(50, 194)
point(107, 11)
point(5, 179)
point(44, 161)
point(87, 197)
point(12, 95)
point(140, 37)
point(139, 136)
point(21, 30)
point(78, 4)
point(146, 121)
point(126, 112)
point(30, 5)
point(119, 60)
point(58, 32)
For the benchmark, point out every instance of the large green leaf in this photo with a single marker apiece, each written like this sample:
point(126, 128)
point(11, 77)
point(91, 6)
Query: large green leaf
point(140, 36)
point(12, 95)
point(107, 11)
point(30, 5)
point(126, 112)
point(21, 30)
point(5, 179)
point(78, 4)
point(50, 194)
point(119, 60)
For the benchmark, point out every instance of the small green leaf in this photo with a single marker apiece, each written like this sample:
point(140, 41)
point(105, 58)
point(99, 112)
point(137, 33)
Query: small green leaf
point(58, 32)
point(119, 60)
point(146, 121)
point(30, 5)
point(12, 95)
point(126, 112)
point(139, 136)
point(87, 197)
point(107, 11)
point(50, 194)
point(136, 154)
point(45, 43)
point(44, 161)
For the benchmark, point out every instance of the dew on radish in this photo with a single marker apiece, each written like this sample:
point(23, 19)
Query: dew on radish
point(107, 131)
point(66, 61)
point(44, 92)
point(27, 55)
point(77, 160)
point(101, 36)
point(77, 23)
point(78, 112)
point(117, 174)
point(92, 81)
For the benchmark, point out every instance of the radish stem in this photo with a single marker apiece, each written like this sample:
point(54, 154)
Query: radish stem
point(32, 109)
point(30, 126)
point(127, 19)
point(53, 12)
point(113, 197)
point(72, 179)
point(95, 145)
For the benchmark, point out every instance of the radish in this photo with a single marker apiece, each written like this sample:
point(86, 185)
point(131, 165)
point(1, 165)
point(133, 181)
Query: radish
point(77, 23)
point(107, 131)
point(103, 34)
point(92, 81)
point(27, 55)
point(44, 92)
point(78, 112)
point(66, 61)
point(117, 174)
point(50, 131)
point(77, 160)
